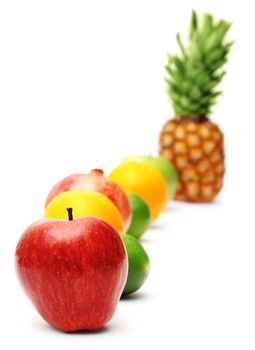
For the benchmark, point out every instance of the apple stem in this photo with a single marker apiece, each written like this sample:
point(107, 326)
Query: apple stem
point(70, 213)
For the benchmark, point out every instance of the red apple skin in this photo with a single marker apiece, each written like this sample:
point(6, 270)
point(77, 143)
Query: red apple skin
point(73, 271)
point(95, 181)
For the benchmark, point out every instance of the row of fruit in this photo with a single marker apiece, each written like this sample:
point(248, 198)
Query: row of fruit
point(73, 263)
point(85, 254)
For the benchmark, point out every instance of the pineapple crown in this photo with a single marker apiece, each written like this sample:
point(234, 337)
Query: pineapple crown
point(195, 73)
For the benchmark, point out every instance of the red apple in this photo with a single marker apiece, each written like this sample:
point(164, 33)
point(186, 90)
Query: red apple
point(95, 181)
point(73, 271)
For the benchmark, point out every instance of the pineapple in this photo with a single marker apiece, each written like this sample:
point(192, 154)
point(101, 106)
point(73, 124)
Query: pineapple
point(191, 141)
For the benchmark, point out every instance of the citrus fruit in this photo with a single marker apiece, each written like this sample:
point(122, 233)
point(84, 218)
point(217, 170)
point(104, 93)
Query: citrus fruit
point(140, 216)
point(138, 264)
point(166, 168)
point(85, 203)
point(143, 180)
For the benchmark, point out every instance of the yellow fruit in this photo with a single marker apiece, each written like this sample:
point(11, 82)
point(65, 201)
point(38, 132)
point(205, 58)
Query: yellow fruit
point(196, 149)
point(193, 143)
point(85, 203)
point(144, 180)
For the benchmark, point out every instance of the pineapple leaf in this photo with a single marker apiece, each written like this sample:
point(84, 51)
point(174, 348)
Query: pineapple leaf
point(215, 55)
point(207, 25)
point(178, 38)
point(193, 24)
point(179, 63)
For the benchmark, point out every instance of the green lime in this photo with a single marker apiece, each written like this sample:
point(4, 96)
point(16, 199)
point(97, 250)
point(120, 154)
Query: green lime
point(138, 264)
point(166, 168)
point(140, 216)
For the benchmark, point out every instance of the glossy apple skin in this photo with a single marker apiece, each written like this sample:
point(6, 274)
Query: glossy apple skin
point(95, 181)
point(73, 271)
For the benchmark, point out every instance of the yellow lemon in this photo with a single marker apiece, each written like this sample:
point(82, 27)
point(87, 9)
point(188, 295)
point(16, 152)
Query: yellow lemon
point(144, 180)
point(85, 203)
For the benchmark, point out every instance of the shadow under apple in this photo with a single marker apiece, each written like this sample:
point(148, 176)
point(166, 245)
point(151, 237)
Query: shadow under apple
point(135, 296)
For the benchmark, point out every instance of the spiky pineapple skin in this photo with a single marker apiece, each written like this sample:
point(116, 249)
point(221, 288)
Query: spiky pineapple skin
point(196, 148)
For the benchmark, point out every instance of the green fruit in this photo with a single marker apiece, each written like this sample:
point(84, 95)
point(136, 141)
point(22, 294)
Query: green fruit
point(138, 264)
point(141, 216)
point(166, 168)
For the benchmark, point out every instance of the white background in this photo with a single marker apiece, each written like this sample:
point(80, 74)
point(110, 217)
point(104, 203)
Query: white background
point(81, 86)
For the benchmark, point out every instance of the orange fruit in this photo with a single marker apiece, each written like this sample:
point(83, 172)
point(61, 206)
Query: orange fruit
point(85, 203)
point(144, 180)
